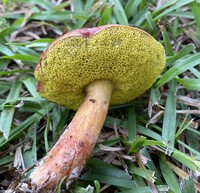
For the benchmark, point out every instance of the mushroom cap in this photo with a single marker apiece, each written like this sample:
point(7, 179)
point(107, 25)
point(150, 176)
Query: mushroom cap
point(127, 56)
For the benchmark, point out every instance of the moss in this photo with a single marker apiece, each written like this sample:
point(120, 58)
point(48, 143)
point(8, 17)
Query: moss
point(127, 56)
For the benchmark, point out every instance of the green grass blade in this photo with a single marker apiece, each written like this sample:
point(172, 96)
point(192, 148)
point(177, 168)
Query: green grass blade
point(190, 162)
point(179, 67)
point(196, 72)
point(5, 86)
point(88, 4)
point(169, 122)
point(163, 7)
point(26, 51)
point(182, 14)
point(143, 172)
point(168, 46)
point(193, 138)
point(132, 128)
point(14, 92)
point(25, 58)
point(135, 144)
point(106, 173)
point(119, 12)
point(89, 13)
point(6, 121)
point(150, 164)
point(174, 5)
point(105, 16)
point(78, 5)
point(57, 15)
point(188, 186)
point(196, 12)
point(153, 100)
point(30, 149)
point(46, 5)
point(5, 50)
point(7, 159)
point(168, 175)
point(151, 23)
point(25, 124)
point(3, 64)
point(140, 17)
point(15, 26)
point(8, 109)
point(160, 188)
point(46, 132)
point(191, 84)
point(190, 148)
point(131, 7)
point(30, 84)
point(12, 72)
point(147, 132)
point(183, 52)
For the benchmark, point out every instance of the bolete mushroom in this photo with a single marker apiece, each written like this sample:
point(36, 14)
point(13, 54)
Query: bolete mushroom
point(88, 69)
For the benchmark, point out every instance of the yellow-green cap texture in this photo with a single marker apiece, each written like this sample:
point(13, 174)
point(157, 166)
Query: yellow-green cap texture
point(129, 57)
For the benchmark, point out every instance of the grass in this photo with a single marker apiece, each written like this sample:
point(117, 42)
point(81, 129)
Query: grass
point(148, 145)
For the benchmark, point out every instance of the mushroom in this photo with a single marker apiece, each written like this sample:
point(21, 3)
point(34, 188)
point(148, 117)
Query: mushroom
point(88, 69)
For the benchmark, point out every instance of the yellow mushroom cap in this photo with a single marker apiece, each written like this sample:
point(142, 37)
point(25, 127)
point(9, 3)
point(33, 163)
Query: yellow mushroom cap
point(128, 57)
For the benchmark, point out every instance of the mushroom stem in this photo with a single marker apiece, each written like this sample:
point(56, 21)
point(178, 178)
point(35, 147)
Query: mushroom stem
point(69, 155)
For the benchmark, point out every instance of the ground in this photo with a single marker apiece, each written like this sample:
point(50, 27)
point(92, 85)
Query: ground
point(148, 145)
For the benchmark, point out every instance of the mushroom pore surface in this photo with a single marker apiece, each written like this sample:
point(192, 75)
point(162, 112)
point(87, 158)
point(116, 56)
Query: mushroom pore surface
point(128, 57)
